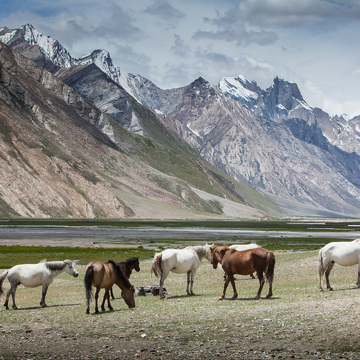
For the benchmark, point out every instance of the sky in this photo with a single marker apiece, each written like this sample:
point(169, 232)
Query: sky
point(315, 43)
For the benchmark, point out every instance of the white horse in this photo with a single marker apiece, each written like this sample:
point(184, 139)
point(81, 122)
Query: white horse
point(179, 261)
point(33, 275)
point(342, 253)
point(241, 247)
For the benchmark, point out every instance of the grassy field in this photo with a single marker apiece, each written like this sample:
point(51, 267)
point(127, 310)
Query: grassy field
point(298, 321)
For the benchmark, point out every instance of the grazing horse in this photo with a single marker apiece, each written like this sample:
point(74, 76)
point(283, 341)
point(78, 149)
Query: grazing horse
point(127, 267)
point(343, 253)
point(33, 275)
point(179, 261)
point(244, 262)
point(104, 275)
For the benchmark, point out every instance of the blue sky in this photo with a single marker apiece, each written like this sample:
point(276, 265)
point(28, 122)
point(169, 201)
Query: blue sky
point(314, 43)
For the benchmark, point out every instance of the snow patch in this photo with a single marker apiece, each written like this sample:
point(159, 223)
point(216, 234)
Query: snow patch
point(235, 88)
point(193, 131)
point(8, 36)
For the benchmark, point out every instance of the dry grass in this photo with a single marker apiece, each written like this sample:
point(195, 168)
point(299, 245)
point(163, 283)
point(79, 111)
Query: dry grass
point(298, 319)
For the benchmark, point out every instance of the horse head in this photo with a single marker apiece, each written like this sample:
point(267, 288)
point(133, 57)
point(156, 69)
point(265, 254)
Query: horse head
point(217, 254)
point(137, 265)
point(213, 258)
point(69, 267)
point(128, 295)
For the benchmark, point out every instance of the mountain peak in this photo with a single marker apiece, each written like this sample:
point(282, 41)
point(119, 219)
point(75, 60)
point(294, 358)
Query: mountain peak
point(239, 88)
point(286, 89)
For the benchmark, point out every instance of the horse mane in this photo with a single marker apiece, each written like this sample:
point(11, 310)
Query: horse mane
point(55, 265)
point(120, 271)
point(130, 260)
point(200, 250)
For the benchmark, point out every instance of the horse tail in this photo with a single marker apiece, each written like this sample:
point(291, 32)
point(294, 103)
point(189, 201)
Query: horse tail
point(270, 267)
point(88, 280)
point(156, 267)
point(321, 269)
point(121, 273)
point(2, 278)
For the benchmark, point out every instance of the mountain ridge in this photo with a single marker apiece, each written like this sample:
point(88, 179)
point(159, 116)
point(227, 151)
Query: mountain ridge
point(269, 139)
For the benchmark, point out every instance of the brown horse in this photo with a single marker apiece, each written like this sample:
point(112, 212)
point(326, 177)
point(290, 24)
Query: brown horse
point(105, 275)
point(245, 262)
point(127, 267)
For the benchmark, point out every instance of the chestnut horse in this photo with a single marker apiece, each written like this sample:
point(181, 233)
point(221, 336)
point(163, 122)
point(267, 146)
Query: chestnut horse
point(105, 275)
point(244, 262)
point(127, 267)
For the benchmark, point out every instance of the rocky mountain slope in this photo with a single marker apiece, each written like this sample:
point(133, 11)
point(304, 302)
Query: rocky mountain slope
point(60, 156)
point(271, 140)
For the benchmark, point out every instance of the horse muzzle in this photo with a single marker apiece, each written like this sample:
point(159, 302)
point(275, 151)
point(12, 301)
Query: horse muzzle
point(76, 275)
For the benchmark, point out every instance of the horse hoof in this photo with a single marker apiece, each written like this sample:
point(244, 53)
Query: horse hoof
point(88, 311)
point(220, 298)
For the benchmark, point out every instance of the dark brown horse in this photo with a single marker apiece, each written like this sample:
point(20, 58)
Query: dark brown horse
point(127, 267)
point(104, 275)
point(245, 262)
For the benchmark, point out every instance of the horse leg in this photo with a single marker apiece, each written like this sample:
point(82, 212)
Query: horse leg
point(103, 302)
point(262, 282)
point(163, 276)
point(108, 299)
point(270, 294)
point(190, 279)
point(11, 291)
point(96, 299)
point(112, 294)
point(225, 286)
point(327, 273)
point(188, 274)
point(231, 277)
point(44, 291)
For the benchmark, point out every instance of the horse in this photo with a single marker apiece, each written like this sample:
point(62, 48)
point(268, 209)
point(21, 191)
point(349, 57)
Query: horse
point(343, 253)
point(241, 247)
point(127, 267)
point(244, 262)
point(104, 275)
point(33, 275)
point(179, 261)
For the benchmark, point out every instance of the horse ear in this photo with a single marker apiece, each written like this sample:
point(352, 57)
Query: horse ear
point(222, 252)
point(75, 261)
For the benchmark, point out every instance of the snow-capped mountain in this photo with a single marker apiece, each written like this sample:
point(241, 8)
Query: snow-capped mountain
point(271, 139)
